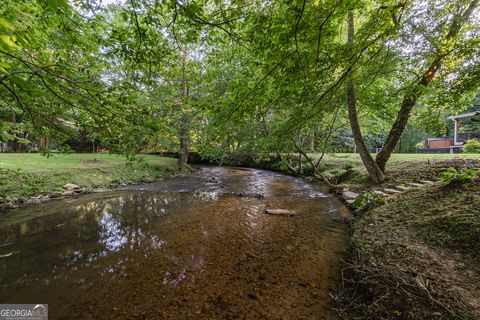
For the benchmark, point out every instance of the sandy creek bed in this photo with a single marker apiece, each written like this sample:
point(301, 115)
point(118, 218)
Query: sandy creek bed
point(196, 247)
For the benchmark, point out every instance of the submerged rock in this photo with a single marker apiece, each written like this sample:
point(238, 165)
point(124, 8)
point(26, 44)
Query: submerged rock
point(280, 212)
point(7, 205)
point(33, 200)
point(244, 194)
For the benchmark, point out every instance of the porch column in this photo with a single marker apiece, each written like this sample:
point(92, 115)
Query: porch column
point(455, 133)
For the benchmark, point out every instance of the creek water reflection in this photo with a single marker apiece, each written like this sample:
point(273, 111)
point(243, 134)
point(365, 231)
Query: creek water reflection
point(183, 248)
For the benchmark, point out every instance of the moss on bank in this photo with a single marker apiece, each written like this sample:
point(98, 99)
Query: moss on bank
point(24, 175)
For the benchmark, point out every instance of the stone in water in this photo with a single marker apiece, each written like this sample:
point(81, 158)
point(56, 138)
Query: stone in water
point(280, 212)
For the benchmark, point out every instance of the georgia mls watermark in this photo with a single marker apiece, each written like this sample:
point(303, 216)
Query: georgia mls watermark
point(23, 311)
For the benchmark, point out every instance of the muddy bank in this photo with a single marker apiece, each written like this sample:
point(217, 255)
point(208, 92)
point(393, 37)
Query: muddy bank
point(187, 247)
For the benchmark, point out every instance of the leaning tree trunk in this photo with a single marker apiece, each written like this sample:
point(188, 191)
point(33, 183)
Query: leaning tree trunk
point(373, 170)
point(411, 98)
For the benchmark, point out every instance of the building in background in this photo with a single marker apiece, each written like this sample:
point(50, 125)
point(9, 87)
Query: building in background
point(467, 126)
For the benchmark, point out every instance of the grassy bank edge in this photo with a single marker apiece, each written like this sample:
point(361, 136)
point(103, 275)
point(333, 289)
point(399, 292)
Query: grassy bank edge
point(28, 175)
point(416, 257)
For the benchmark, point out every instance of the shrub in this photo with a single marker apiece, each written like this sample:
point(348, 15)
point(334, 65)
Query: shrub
point(472, 146)
point(420, 145)
point(453, 175)
point(368, 199)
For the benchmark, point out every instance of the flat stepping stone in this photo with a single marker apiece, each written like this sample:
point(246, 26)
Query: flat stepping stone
point(426, 182)
point(350, 201)
point(402, 188)
point(416, 184)
point(349, 195)
point(280, 212)
point(387, 190)
point(380, 193)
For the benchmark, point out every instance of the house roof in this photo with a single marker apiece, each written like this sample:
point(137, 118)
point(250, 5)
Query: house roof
point(440, 139)
point(461, 136)
point(470, 115)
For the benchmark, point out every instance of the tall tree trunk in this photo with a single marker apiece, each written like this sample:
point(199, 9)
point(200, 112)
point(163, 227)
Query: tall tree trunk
point(411, 98)
point(183, 156)
point(44, 143)
point(373, 170)
point(184, 119)
point(311, 141)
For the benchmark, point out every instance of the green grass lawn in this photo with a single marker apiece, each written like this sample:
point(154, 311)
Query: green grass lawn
point(27, 174)
point(401, 157)
point(401, 167)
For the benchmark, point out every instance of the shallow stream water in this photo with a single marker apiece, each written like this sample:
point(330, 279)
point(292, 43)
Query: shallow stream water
point(196, 247)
